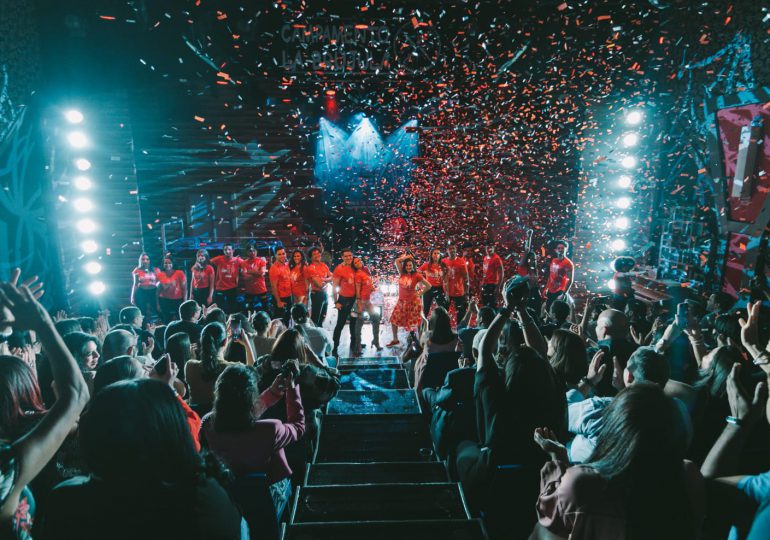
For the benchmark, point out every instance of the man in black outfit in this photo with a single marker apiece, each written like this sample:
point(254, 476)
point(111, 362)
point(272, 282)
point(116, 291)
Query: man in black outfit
point(189, 313)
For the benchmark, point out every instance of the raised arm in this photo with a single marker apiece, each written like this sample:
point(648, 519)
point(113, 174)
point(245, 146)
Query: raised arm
point(134, 285)
point(399, 262)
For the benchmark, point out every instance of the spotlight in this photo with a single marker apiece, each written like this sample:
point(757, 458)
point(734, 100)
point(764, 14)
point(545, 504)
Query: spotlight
point(624, 182)
point(331, 93)
point(93, 267)
point(77, 139)
point(633, 117)
point(86, 226)
point(630, 139)
point(628, 162)
point(83, 205)
point(82, 164)
point(618, 244)
point(623, 202)
point(82, 183)
point(611, 284)
point(89, 246)
point(622, 223)
point(97, 287)
point(73, 116)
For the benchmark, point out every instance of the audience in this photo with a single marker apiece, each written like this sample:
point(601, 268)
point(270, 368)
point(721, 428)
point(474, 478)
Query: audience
point(317, 338)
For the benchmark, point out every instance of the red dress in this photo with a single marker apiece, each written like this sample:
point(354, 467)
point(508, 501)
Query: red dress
point(408, 311)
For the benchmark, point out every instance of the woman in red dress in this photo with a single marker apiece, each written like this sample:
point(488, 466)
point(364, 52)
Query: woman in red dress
point(172, 286)
point(144, 289)
point(202, 282)
point(411, 285)
point(299, 282)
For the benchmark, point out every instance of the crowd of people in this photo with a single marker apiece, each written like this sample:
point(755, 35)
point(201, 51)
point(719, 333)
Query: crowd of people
point(622, 419)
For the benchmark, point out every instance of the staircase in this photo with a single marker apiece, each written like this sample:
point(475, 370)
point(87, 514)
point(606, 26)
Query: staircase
point(374, 474)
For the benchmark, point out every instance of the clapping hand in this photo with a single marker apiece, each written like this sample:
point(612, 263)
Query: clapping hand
point(546, 439)
point(745, 408)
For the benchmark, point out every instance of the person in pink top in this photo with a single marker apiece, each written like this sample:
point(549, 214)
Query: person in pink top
point(234, 432)
point(492, 277)
point(411, 285)
point(172, 287)
point(319, 277)
point(435, 271)
point(280, 286)
point(299, 284)
point(364, 290)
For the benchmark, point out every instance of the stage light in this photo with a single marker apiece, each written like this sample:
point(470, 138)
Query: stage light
point(93, 267)
point(618, 244)
point(82, 164)
point(624, 182)
point(628, 162)
point(630, 139)
point(97, 287)
point(82, 183)
point(86, 226)
point(633, 117)
point(622, 223)
point(73, 116)
point(331, 93)
point(83, 205)
point(89, 246)
point(611, 284)
point(623, 202)
point(77, 139)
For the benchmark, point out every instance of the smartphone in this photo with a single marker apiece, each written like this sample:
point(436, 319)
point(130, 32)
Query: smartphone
point(235, 328)
point(162, 366)
point(682, 312)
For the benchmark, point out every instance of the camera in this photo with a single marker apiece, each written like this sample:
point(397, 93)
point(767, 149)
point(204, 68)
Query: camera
point(289, 369)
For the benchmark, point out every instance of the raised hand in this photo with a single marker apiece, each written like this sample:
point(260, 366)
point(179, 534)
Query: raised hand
point(745, 408)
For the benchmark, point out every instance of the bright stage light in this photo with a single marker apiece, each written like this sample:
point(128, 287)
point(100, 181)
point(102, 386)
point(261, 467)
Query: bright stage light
point(86, 226)
point(82, 183)
point(623, 202)
point(618, 244)
point(77, 139)
point(611, 284)
point(82, 164)
point(93, 267)
point(83, 205)
point(73, 116)
point(89, 246)
point(622, 223)
point(628, 162)
point(633, 118)
point(97, 287)
point(630, 139)
point(624, 182)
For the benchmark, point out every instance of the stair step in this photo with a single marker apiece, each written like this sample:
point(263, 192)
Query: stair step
point(324, 474)
point(369, 362)
point(372, 438)
point(374, 401)
point(385, 502)
point(447, 529)
point(365, 379)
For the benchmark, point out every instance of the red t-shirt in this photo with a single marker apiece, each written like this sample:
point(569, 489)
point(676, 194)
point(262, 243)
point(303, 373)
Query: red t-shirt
point(316, 270)
point(201, 279)
point(280, 276)
point(407, 285)
point(434, 273)
point(346, 276)
point(364, 280)
point(252, 275)
point(559, 275)
point(173, 286)
point(456, 275)
point(227, 272)
point(298, 282)
point(493, 270)
point(145, 279)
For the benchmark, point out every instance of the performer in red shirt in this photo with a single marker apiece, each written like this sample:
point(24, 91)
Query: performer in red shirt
point(457, 281)
point(226, 283)
point(492, 277)
point(280, 286)
point(407, 312)
point(345, 288)
point(364, 290)
point(319, 277)
point(172, 286)
point(252, 280)
point(435, 272)
point(560, 274)
point(202, 279)
point(144, 288)
point(299, 285)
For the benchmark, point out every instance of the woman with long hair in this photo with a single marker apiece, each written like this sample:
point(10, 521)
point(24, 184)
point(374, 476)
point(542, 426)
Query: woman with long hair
point(137, 444)
point(202, 279)
point(299, 282)
point(179, 348)
point(435, 271)
point(636, 484)
point(21, 405)
point(364, 290)
point(411, 285)
point(145, 285)
point(172, 289)
point(568, 357)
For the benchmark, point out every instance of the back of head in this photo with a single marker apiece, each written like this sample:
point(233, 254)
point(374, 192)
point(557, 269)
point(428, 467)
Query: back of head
point(178, 347)
point(533, 388)
point(440, 327)
point(299, 313)
point(213, 338)
point(714, 379)
point(135, 433)
point(486, 316)
point(727, 326)
point(289, 346)
point(67, 326)
point(724, 302)
point(88, 324)
point(129, 314)
point(560, 311)
point(235, 397)
point(118, 343)
point(647, 365)
point(120, 368)
point(188, 310)
point(261, 322)
point(613, 323)
point(215, 315)
point(569, 358)
point(19, 396)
